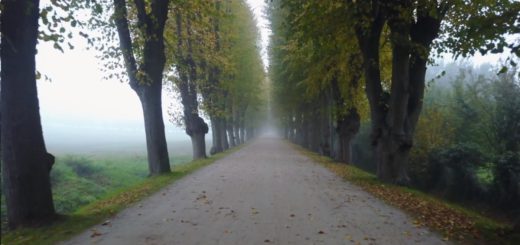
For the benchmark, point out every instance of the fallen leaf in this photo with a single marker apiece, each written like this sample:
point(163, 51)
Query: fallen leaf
point(95, 233)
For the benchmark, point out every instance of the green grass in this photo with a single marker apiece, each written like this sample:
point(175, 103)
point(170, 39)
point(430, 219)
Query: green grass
point(453, 221)
point(112, 200)
point(485, 174)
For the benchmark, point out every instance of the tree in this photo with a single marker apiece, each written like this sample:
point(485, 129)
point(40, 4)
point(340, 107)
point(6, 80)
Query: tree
point(190, 34)
point(414, 30)
point(411, 28)
point(25, 161)
point(316, 61)
point(146, 78)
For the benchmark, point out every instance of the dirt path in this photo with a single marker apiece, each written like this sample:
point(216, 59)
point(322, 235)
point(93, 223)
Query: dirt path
point(266, 193)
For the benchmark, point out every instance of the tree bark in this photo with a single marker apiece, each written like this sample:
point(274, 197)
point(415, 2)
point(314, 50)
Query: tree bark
point(395, 140)
point(325, 115)
point(149, 86)
point(25, 162)
point(395, 114)
point(196, 128)
point(197, 131)
point(242, 131)
point(215, 130)
point(347, 128)
point(223, 134)
point(314, 130)
point(236, 125)
point(229, 127)
point(158, 161)
point(347, 124)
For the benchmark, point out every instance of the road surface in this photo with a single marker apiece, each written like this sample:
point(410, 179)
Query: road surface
point(266, 193)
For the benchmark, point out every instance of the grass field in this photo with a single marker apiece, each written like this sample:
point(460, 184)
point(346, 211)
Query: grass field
point(78, 180)
point(93, 189)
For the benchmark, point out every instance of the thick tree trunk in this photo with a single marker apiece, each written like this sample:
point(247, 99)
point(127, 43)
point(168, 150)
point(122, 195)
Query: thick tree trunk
point(314, 131)
point(395, 115)
point(25, 161)
point(198, 143)
point(395, 141)
point(242, 132)
point(149, 87)
point(215, 130)
point(325, 124)
point(236, 126)
point(347, 128)
point(158, 161)
point(223, 134)
point(196, 128)
point(231, 133)
point(392, 157)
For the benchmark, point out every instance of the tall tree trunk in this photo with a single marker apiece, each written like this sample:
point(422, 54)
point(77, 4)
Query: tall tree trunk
point(395, 114)
point(242, 131)
point(150, 96)
point(347, 123)
point(215, 130)
point(196, 128)
point(324, 125)
point(347, 128)
point(197, 131)
point(223, 134)
point(236, 126)
point(149, 87)
point(395, 140)
point(229, 126)
point(315, 129)
point(25, 161)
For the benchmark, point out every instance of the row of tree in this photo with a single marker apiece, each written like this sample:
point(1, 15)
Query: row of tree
point(335, 63)
point(206, 50)
point(215, 58)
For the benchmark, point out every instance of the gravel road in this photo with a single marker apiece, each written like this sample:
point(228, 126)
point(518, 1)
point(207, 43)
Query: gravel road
point(266, 193)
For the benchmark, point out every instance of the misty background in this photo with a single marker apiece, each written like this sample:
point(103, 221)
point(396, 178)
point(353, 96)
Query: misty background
point(82, 113)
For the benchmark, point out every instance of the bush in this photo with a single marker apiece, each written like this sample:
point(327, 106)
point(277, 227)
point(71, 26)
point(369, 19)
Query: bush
point(83, 167)
point(507, 180)
point(453, 171)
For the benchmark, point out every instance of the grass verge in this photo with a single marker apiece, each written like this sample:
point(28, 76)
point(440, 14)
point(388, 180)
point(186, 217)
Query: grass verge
point(454, 222)
point(69, 225)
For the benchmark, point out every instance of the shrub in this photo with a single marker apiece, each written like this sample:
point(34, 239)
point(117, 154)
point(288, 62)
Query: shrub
point(507, 180)
point(83, 167)
point(453, 171)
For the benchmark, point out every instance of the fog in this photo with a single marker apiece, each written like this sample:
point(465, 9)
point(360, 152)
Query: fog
point(86, 114)
point(83, 113)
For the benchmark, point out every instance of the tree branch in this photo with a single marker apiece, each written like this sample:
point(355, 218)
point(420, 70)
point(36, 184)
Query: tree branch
point(142, 17)
point(125, 42)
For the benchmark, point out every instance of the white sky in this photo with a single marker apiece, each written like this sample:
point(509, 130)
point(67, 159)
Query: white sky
point(78, 107)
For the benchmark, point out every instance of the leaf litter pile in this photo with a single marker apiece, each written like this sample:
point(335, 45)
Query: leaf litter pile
point(452, 223)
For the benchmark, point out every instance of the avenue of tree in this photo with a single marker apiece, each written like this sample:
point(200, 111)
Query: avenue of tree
point(206, 50)
point(348, 80)
point(367, 59)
